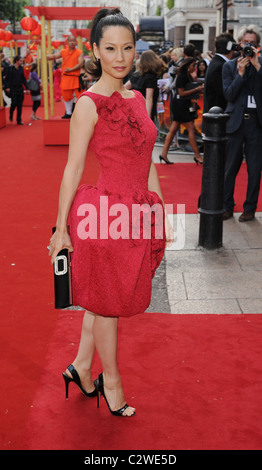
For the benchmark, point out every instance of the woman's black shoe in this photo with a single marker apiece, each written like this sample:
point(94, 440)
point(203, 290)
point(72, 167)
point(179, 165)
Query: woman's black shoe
point(198, 161)
point(99, 384)
point(164, 160)
point(75, 378)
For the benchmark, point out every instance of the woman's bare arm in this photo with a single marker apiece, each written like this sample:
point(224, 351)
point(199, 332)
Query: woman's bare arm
point(81, 130)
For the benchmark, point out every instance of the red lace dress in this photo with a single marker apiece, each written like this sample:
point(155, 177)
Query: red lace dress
point(116, 252)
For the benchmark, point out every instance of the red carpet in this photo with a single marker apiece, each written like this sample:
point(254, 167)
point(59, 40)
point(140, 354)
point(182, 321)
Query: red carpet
point(181, 184)
point(195, 381)
point(29, 185)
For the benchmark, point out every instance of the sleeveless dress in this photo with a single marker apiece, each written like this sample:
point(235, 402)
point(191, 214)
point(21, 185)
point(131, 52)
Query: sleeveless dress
point(117, 246)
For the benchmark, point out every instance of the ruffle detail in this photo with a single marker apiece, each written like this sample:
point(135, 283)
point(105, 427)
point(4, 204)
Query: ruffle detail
point(156, 228)
point(147, 226)
point(119, 115)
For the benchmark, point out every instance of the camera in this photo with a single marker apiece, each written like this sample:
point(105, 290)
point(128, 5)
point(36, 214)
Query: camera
point(247, 49)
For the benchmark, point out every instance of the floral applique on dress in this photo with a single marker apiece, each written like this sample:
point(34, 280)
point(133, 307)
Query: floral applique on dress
point(119, 115)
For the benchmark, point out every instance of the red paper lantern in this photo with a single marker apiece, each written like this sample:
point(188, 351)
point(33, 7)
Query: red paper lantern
point(88, 46)
point(28, 23)
point(8, 35)
point(55, 44)
point(2, 34)
point(2, 43)
point(37, 30)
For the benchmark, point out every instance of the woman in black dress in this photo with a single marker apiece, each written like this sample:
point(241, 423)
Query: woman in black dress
point(151, 68)
point(184, 111)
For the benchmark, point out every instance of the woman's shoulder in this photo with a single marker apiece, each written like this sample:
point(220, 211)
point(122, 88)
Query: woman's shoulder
point(86, 103)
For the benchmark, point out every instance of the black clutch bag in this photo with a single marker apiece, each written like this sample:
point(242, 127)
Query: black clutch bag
point(62, 279)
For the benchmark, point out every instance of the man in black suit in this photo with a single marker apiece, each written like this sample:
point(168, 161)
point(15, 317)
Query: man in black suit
point(213, 91)
point(14, 84)
point(242, 85)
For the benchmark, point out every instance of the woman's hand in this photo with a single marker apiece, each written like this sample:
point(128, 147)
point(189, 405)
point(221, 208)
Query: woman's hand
point(58, 242)
point(169, 232)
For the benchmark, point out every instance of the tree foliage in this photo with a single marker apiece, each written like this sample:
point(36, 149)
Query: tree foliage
point(10, 9)
point(170, 4)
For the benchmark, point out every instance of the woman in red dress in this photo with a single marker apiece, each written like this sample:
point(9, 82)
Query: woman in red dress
point(112, 270)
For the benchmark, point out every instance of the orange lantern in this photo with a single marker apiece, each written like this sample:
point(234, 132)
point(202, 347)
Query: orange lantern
point(28, 23)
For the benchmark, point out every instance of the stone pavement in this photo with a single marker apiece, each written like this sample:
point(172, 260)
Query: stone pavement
point(226, 280)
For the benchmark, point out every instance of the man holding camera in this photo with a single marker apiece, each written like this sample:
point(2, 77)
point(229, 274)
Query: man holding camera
point(242, 85)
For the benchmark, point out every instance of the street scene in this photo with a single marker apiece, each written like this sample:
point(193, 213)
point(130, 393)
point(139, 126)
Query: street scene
point(131, 241)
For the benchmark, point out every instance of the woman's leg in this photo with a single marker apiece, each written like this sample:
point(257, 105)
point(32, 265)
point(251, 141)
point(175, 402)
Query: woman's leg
point(105, 330)
point(192, 139)
point(86, 349)
point(172, 131)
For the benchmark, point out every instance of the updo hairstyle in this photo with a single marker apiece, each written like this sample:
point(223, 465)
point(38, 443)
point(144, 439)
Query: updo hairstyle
point(104, 18)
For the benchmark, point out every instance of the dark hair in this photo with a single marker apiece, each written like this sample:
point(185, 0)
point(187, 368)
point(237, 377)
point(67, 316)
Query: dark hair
point(33, 67)
point(189, 49)
point(16, 59)
point(183, 69)
point(91, 68)
point(201, 61)
point(104, 18)
point(221, 42)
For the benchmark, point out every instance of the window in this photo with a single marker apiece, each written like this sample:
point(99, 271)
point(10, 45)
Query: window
point(196, 29)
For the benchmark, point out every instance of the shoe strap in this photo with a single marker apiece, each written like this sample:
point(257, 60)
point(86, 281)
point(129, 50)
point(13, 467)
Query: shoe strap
point(121, 410)
point(74, 373)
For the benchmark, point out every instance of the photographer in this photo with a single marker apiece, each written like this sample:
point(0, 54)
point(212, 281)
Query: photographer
point(213, 91)
point(242, 84)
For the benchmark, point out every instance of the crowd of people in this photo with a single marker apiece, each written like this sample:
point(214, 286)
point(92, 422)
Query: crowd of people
point(226, 78)
point(229, 78)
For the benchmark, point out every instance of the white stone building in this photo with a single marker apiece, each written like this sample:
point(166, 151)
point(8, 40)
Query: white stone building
point(199, 21)
point(133, 9)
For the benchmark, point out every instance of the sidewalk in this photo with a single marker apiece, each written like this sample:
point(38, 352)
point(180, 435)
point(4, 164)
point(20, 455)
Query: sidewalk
point(226, 280)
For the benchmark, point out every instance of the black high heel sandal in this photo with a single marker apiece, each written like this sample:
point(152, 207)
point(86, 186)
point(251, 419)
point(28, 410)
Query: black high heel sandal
point(76, 379)
point(99, 384)
point(198, 161)
point(164, 160)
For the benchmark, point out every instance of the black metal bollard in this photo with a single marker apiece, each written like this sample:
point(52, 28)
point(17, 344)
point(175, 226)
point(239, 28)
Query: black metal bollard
point(212, 192)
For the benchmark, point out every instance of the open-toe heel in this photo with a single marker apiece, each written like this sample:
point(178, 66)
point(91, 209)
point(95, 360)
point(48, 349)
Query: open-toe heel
point(99, 384)
point(76, 379)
